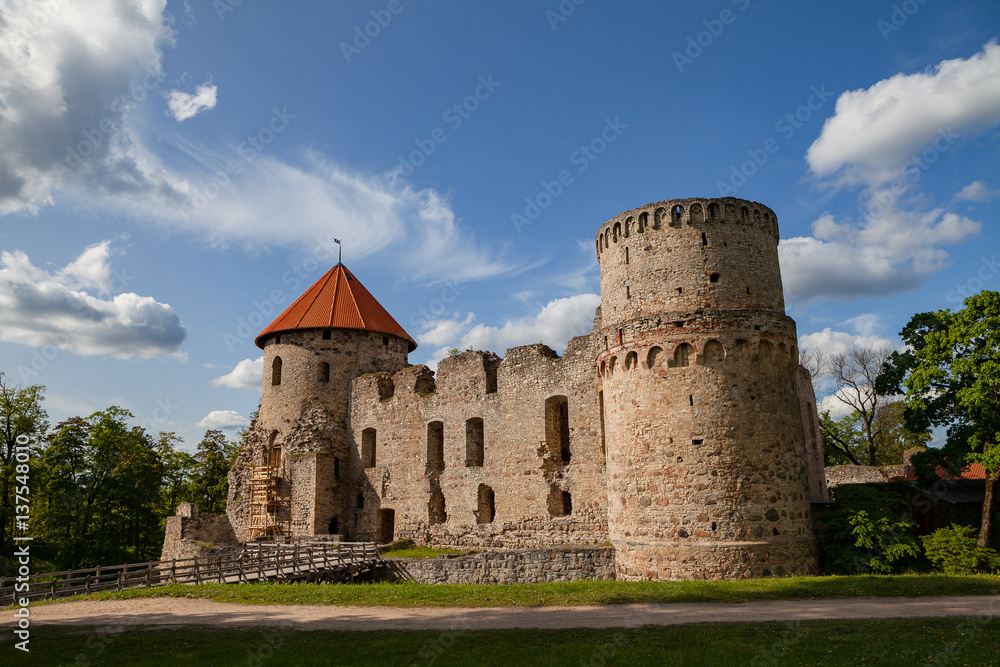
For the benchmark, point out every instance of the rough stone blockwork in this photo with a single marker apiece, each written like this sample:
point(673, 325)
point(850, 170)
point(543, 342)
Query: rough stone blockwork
point(191, 533)
point(681, 429)
point(527, 566)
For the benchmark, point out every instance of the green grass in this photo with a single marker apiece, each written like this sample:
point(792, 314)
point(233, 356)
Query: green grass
point(962, 641)
point(574, 593)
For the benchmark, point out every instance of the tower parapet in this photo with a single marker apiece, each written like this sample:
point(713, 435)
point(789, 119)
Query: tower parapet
point(706, 461)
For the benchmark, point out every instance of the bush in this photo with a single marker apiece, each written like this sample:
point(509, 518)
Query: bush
point(954, 550)
point(868, 531)
point(400, 544)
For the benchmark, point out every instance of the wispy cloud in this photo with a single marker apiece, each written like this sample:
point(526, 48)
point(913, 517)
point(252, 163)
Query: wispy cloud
point(187, 105)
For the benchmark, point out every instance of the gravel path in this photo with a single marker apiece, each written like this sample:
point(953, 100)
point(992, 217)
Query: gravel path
point(123, 614)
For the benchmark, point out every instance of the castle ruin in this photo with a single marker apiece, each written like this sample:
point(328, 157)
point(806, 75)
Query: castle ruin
point(681, 429)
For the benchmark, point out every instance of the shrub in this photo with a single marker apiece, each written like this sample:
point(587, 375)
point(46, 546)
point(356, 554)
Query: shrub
point(954, 550)
point(869, 530)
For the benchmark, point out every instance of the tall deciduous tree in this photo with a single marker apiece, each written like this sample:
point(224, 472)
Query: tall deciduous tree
point(21, 414)
point(952, 378)
point(854, 372)
point(210, 484)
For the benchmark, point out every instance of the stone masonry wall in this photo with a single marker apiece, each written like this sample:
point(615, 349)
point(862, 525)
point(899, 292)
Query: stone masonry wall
point(190, 533)
point(515, 567)
point(813, 435)
point(443, 497)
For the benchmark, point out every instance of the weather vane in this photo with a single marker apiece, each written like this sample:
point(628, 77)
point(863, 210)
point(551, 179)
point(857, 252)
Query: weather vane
point(340, 251)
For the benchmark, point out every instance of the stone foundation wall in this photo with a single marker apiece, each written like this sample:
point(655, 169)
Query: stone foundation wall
point(515, 567)
point(190, 533)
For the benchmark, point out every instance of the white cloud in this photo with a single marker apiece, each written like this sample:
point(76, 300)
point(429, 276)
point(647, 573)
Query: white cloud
point(222, 419)
point(829, 341)
point(44, 310)
point(557, 322)
point(77, 82)
point(874, 132)
point(439, 332)
point(888, 253)
point(185, 105)
point(976, 191)
point(837, 408)
point(248, 374)
point(68, 78)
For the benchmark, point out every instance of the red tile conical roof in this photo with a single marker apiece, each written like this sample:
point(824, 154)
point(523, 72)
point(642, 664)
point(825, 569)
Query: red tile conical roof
point(338, 300)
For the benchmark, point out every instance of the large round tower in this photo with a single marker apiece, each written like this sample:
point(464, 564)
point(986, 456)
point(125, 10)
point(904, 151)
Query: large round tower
point(706, 463)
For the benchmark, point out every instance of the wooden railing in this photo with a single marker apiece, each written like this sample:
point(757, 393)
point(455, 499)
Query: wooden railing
point(255, 561)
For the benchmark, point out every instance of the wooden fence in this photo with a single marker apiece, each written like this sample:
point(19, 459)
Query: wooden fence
point(254, 561)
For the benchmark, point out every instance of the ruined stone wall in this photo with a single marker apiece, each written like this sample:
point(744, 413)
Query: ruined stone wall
point(541, 494)
point(191, 533)
point(527, 566)
point(852, 474)
point(707, 474)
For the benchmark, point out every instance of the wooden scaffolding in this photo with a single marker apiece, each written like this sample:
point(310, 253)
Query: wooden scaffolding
point(264, 498)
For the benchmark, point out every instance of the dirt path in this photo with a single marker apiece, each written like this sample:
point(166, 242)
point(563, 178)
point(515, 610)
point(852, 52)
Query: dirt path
point(123, 614)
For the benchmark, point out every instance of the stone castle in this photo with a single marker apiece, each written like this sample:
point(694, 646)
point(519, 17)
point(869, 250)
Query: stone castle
point(681, 430)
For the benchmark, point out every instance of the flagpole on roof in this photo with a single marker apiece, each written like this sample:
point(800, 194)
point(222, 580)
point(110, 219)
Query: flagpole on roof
point(340, 251)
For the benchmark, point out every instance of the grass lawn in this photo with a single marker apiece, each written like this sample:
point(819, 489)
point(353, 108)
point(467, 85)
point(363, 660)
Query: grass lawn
point(961, 641)
point(574, 593)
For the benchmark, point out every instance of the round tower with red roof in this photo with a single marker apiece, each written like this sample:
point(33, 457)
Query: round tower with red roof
point(331, 334)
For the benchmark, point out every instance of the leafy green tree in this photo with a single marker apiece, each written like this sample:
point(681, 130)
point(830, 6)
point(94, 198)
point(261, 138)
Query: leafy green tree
point(103, 480)
point(210, 483)
point(954, 550)
point(21, 415)
point(951, 373)
point(178, 471)
point(843, 441)
point(869, 529)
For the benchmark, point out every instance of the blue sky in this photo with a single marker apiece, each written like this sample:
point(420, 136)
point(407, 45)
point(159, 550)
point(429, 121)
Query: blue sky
point(172, 173)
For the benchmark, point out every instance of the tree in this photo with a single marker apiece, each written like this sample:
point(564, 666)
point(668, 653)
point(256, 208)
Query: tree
point(854, 372)
point(21, 415)
point(843, 442)
point(178, 471)
point(210, 483)
point(951, 373)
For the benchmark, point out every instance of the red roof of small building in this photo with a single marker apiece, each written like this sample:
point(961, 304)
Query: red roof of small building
point(971, 471)
point(338, 300)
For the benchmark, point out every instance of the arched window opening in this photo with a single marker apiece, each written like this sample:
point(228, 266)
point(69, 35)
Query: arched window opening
point(652, 357)
point(616, 232)
point(324, 371)
point(334, 527)
point(714, 354)
point(631, 361)
point(474, 442)
point(485, 505)
point(756, 216)
point(643, 221)
point(675, 215)
point(659, 217)
point(359, 502)
point(629, 224)
point(744, 214)
point(697, 214)
point(368, 448)
point(713, 212)
point(765, 352)
point(435, 447)
point(276, 372)
point(557, 428)
point(682, 356)
point(612, 363)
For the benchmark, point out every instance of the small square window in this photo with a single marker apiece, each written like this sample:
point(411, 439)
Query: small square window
point(326, 334)
point(385, 340)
